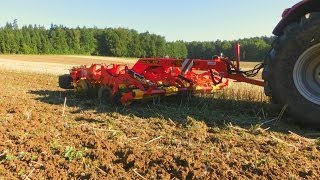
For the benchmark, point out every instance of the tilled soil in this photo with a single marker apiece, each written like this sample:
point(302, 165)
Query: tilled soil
point(40, 139)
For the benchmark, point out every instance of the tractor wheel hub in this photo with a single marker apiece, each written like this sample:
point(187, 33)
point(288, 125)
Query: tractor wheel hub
point(306, 74)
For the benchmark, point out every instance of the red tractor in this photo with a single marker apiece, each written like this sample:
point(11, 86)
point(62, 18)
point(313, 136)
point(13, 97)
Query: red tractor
point(291, 71)
point(292, 67)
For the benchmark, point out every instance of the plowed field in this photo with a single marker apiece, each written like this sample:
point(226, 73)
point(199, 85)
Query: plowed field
point(230, 135)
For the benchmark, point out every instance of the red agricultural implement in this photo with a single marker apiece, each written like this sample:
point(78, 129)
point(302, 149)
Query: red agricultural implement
point(291, 70)
point(152, 77)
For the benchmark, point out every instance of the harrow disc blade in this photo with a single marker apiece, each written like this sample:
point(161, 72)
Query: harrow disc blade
point(105, 95)
point(86, 88)
point(82, 87)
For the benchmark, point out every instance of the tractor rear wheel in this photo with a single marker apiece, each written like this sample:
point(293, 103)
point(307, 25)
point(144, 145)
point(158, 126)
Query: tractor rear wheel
point(292, 70)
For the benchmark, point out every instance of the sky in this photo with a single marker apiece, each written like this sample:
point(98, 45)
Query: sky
point(188, 20)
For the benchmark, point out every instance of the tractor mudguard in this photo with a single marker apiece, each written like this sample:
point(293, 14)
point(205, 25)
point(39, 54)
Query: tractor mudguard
point(295, 13)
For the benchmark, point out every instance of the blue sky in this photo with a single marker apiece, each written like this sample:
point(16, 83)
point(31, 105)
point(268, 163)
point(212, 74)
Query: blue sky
point(189, 20)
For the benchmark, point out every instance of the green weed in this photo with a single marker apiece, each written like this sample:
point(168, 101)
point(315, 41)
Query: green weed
point(34, 157)
point(71, 153)
point(22, 172)
point(54, 146)
point(10, 157)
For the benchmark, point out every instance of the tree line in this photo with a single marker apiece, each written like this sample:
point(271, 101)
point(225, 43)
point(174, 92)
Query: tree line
point(117, 42)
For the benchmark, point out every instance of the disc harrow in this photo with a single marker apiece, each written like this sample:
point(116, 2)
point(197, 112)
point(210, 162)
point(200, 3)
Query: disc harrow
point(154, 77)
